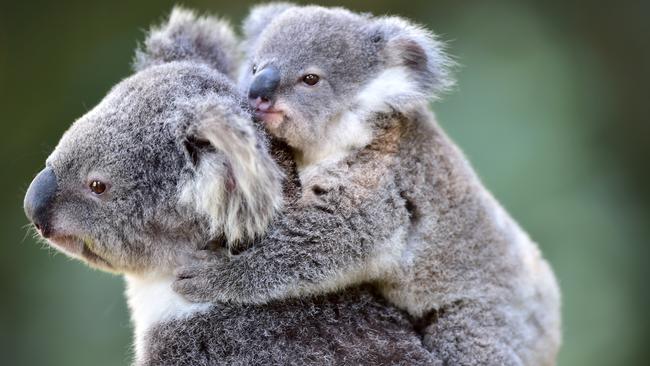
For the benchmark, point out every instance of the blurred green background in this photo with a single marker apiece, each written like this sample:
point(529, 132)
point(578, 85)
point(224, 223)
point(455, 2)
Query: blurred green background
point(552, 108)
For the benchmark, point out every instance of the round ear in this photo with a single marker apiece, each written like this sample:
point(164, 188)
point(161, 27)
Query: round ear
point(416, 51)
point(260, 17)
point(236, 183)
point(253, 26)
point(186, 36)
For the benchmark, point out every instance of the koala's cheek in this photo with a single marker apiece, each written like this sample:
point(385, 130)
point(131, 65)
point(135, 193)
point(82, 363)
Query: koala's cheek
point(69, 218)
point(78, 232)
point(295, 133)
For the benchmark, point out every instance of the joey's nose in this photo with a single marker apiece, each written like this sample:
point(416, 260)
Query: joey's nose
point(265, 83)
point(39, 198)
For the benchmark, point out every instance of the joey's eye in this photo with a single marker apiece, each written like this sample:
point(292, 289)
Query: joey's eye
point(97, 187)
point(254, 69)
point(310, 79)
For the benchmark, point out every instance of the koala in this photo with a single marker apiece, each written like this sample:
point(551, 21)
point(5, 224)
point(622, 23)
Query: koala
point(170, 163)
point(387, 198)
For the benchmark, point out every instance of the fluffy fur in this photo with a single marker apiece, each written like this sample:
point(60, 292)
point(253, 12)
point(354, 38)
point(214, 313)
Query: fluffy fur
point(247, 180)
point(356, 327)
point(177, 39)
point(405, 211)
point(185, 168)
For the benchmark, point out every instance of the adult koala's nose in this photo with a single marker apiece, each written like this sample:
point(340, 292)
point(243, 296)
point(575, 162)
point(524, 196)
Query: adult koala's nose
point(264, 84)
point(39, 199)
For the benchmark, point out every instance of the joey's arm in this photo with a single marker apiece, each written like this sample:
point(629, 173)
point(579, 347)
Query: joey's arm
point(332, 236)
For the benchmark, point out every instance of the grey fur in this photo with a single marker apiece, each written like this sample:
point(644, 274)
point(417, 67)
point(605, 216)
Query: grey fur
point(355, 327)
point(175, 125)
point(177, 40)
point(259, 17)
point(348, 51)
point(403, 210)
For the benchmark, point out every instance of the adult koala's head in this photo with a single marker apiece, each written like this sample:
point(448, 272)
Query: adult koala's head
point(166, 163)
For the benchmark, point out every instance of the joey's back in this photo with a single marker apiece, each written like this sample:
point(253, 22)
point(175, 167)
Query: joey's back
point(463, 247)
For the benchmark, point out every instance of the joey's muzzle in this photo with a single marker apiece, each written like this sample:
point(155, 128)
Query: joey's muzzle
point(39, 200)
point(265, 83)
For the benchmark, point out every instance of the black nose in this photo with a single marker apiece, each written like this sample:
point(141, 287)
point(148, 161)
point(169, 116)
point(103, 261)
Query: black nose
point(265, 83)
point(39, 199)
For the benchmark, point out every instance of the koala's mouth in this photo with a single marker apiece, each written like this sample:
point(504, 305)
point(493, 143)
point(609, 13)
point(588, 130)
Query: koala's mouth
point(79, 247)
point(271, 117)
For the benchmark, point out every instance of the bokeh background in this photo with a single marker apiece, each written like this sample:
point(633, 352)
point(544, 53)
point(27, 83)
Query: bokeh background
point(551, 107)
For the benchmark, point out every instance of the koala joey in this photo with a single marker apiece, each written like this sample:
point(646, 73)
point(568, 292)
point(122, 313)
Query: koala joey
point(165, 165)
point(411, 217)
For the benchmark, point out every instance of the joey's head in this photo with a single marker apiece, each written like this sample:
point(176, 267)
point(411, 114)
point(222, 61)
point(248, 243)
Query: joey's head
point(307, 66)
point(167, 163)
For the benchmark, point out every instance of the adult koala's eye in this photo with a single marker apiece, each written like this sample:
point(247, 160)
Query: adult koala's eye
point(254, 69)
point(310, 79)
point(97, 187)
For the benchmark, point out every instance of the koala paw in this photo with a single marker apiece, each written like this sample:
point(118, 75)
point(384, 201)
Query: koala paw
point(219, 279)
point(195, 282)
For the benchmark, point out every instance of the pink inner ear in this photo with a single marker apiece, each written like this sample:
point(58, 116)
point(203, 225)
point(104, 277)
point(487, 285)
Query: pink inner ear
point(231, 183)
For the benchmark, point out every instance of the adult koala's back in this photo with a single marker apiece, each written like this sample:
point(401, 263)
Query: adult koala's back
point(164, 166)
point(356, 327)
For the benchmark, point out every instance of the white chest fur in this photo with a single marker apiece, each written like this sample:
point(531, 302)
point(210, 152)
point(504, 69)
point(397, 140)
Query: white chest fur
point(152, 301)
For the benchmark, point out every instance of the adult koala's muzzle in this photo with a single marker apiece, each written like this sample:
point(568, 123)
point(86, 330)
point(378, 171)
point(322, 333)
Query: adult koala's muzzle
point(39, 199)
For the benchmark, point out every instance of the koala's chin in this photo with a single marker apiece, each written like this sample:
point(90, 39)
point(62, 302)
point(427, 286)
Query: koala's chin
point(81, 249)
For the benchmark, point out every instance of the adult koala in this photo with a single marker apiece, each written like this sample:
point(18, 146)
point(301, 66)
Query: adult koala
point(168, 164)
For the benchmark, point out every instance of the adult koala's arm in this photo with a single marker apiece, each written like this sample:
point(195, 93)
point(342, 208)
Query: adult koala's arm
point(348, 225)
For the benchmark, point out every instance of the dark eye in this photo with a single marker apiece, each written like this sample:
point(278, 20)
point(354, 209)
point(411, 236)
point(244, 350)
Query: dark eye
point(310, 79)
point(254, 69)
point(97, 187)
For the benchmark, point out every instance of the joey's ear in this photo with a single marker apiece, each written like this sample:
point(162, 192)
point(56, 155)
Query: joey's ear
point(416, 51)
point(260, 17)
point(186, 36)
point(236, 183)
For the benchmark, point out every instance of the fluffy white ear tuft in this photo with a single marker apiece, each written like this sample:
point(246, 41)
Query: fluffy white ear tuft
point(237, 184)
point(186, 36)
point(421, 68)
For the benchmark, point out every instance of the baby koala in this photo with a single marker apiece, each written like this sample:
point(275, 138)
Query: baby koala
point(411, 217)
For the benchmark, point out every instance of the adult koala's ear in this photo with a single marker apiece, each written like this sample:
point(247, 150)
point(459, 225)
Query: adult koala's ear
point(417, 66)
point(236, 183)
point(260, 17)
point(186, 36)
